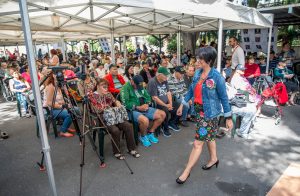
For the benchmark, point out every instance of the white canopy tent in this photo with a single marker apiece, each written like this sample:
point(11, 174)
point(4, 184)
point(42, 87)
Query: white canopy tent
point(82, 19)
point(57, 20)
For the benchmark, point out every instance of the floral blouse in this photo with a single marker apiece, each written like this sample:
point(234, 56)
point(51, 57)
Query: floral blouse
point(101, 102)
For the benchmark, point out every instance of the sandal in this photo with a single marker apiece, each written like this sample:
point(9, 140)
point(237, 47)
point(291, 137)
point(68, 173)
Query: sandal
point(119, 156)
point(134, 153)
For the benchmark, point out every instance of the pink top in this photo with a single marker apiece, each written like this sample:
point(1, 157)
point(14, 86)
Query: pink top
point(26, 76)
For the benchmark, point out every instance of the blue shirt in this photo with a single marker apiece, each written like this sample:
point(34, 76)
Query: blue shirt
point(215, 98)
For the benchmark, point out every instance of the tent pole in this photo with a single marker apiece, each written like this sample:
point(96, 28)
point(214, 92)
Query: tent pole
point(18, 49)
point(269, 49)
point(63, 48)
point(90, 50)
point(178, 46)
point(125, 49)
point(35, 52)
point(37, 93)
point(220, 37)
point(112, 40)
point(48, 49)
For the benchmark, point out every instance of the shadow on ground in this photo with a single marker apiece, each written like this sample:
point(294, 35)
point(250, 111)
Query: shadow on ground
point(246, 167)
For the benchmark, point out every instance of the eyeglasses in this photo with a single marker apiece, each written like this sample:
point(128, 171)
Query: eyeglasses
point(104, 86)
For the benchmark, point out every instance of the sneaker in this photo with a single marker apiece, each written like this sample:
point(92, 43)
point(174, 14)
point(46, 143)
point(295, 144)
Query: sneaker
point(245, 136)
point(174, 127)
point(152, 138)
point(145, 141)
point(184, 123)
point(166, 132)
point(27, 115)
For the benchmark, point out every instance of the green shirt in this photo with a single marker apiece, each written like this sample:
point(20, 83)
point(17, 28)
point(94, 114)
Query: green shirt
point(131, 97)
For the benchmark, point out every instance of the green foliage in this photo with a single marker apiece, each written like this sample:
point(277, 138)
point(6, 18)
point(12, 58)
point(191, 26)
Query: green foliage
point(152, 41)
point(130, 46)
point(289, 33)
point(172, 44)
point(253, 3)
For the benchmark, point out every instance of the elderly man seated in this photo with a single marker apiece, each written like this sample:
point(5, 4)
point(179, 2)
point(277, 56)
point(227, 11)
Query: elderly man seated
point(178, 90)
point(136, 98)
point(239, 84)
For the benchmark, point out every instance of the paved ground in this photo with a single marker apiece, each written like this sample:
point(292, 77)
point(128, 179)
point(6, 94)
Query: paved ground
point(246, 167)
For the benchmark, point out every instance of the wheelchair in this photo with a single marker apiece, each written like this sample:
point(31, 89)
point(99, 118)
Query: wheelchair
point(6, 92)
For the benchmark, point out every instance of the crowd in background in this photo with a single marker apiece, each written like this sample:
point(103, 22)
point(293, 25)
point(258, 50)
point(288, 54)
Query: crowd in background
point(149, 84)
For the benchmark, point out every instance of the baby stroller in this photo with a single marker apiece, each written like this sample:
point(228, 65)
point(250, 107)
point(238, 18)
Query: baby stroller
point(274, 95)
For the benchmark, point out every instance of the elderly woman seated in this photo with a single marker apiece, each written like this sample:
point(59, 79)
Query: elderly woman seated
point(101, 100)
point(240, 84)
point(282, 73)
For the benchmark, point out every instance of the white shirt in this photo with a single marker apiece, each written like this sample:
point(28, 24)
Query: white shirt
point(238, 57)
point(100, 73)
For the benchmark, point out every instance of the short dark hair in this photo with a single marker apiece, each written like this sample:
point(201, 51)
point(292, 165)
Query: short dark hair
point(234, 38)
point(111, 66)
point(208, 54)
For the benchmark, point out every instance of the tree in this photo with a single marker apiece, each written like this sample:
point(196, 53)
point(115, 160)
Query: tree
point(172, 44)
point(253, 3)
point(130, 46)
point(152, 41)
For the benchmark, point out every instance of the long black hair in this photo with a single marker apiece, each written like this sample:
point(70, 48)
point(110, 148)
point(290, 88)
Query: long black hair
point(208, 54)
point(127, 74)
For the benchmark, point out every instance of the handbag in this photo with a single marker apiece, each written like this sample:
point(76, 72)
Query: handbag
point(115, 115)
point(238, 102)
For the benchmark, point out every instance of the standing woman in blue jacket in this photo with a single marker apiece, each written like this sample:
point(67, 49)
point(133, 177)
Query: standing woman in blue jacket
point(209, 93)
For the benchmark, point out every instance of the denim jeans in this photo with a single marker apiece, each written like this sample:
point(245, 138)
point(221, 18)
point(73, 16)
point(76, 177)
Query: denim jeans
point(248, 114)
point(185, 109)
point(63, 114)
point(22, 100)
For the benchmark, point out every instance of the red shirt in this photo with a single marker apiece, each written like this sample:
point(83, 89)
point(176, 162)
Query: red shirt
point(252, 70)
point(198, 92)
point(26, 76)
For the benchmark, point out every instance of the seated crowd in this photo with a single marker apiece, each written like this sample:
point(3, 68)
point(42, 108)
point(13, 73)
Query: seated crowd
point(150, 86)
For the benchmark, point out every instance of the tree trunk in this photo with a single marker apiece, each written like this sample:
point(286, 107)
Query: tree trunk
point(189, 41)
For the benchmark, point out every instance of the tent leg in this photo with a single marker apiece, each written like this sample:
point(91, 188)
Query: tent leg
point(48, 49)
point(178, 46)
point(90, 50)
point(220, 42)
point(112, 40)
point(36, 92)
point(125, 49)
point(269, 49)
point(63, 48)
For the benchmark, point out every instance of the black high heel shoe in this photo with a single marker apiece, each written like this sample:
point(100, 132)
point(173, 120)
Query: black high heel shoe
point(181, 181)
point(205, 167)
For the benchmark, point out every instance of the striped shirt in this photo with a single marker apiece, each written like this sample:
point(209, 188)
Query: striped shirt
point(177, 87)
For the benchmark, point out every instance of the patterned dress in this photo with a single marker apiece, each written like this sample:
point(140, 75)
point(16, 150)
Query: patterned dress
point(206, 130)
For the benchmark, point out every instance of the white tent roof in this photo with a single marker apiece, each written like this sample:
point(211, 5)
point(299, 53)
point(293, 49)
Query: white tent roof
point(83, 19)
